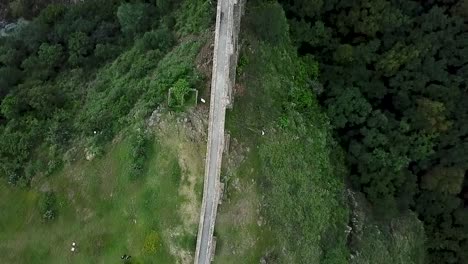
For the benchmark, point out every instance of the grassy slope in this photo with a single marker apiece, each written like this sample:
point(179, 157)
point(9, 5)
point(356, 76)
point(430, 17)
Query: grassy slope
point(108, 214)
point(296, 153)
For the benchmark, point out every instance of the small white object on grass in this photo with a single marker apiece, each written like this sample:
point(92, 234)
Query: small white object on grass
point(263, 133)
point(95, 132)
point(202, 100)
point(73, 249)
point(73, 244)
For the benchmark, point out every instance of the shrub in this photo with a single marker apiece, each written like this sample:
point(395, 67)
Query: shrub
point(10, 56)
point(135, 18)
point(104, 52)
point(194, 16)
point(161, 39)
point(50, 55)
point(164, 6)
point(19, 8)
point(18, 138)
point(180, 90)
point(138, 151)
point(52, 13)
point(79, 45)
point(10, 106)
point(147, 62)
point(10, 76)
point(270, 30)
point(106, 32)
point(48, 206)
point(32, 35)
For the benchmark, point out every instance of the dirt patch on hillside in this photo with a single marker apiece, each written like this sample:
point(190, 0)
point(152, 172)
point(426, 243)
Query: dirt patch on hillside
point(204, 62)
point(185, 133)
point(238, 217)
point(192, 174)
point(239, 89)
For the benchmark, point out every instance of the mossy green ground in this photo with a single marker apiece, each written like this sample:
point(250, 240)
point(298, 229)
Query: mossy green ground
point(153, 218)
point(254, 220)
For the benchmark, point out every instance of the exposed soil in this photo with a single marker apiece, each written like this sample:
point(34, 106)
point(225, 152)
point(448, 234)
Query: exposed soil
point(185, 133)
point(204, 62)
point(239, 90)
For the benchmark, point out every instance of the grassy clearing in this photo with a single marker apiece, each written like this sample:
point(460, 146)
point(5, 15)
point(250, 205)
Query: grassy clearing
point(241, 231)
point(106, 212)
point(285, 195)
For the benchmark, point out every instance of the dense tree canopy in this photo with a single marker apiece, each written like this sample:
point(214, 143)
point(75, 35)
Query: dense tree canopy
point(395, 77)
point(48, 66)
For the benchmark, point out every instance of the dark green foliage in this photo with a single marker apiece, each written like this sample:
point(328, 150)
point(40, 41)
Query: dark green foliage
point(15, 147)
point(194, 16)
point(104, 52)
point(349, 108)
point(59, 130)
point(9, 55)
point(20, 8)
point(31, 37)
point(165, 6)
point(444, 180)
point(394, 75)
point(139, 152)
point(48, 206)
point(180, 90)
point(50, 55)
point(135, 18)
point(79, 45)
point(9, 76)
point(27, 8)
point(10, 107)
point(269, 29)
point(59, 90)
point(52, 14)
point(43, 65)
point(161, 39)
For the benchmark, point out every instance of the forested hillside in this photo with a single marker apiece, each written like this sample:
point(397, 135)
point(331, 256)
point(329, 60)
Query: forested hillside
point(393, 80)
point(369, 95)
point(60, 88)
point(85, 177)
